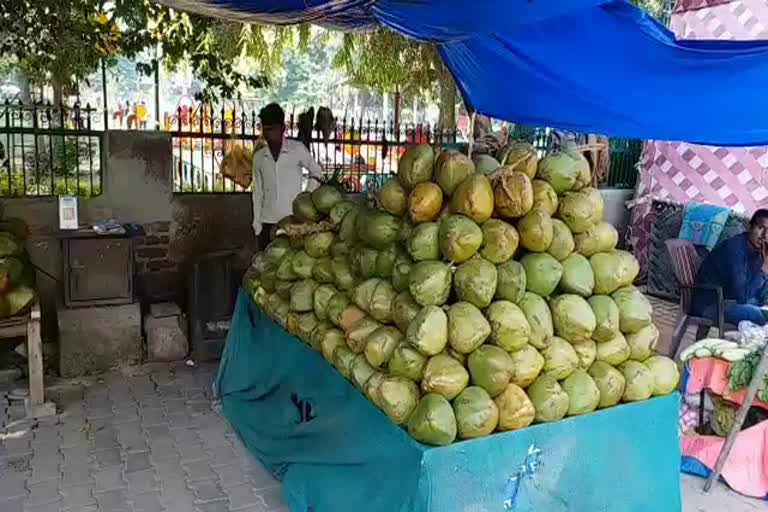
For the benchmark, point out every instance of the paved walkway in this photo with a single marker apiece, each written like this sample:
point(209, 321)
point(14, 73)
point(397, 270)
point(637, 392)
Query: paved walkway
point(145, 439)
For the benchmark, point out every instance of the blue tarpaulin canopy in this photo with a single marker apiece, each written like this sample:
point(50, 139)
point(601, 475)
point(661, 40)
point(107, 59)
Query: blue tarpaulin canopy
point(593, 66)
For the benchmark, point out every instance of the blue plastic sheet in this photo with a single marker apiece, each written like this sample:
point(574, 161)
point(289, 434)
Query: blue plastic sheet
point(336, 452)
point(591, 66)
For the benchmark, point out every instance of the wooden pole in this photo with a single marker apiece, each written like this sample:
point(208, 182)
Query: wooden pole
point(104, 94)
point(471, 133)
point(738, 421)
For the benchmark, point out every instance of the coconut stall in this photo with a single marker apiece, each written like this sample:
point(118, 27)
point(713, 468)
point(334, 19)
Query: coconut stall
point(472, 339)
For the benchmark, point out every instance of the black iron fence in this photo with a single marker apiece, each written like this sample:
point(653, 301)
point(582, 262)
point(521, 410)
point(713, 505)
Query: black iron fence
point(49, 150)
point(358, 153)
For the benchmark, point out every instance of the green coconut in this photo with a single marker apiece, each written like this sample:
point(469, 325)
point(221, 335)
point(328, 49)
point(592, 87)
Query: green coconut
point(321, 298)
point(613, 270)
point(304, 208)
point(577, 277)
point(515, 408)
point(544, 197)
point(385, 261)
point(331, 339)
point(635, 311)
point(401, 272)
point(404, 308)
point(581, 210)
point(564, 169)
point(459, 237)
point(549, 400)
point(485, 164)
point(560, 359)
point(336, 305)
point(467, 327)
point(474, 198)
point(339, 248)
point(430, 282)
point(415, 166)
point(614, 351)
point(536, 231)
point(512, 193)
point(609, 381)
point(511, 281)
point(475, 281)
point(643, 342)
point(398, 398)
point(325, 197)
point(542, 273)
point(521, 157)
point(583, 393)
point(587, 352)
point(339, 211)
point(445, 376)
point(500, 241)
point(572, 317)
point(302, 264)
point(428, 331)
point(284, 288)
point(425, 202)
point(509, 326)
point(491, 368)
point(600, 237)
point(562, 241)
point(476, 413)
point(424, 242)
point(407, 362)
point(371, 389)
point(539, 318)
point(322, 271)
point(342, 360)
point(302, 295)
point(348, 227)
point(640, 381)
point(433, 421)
point(378, 229)
point(393, 197)
point(665, 374)
point(527, 364)
point(451, 168)
point(342, 273)
point(360, 371)
point(358, 334)
point(606, 317)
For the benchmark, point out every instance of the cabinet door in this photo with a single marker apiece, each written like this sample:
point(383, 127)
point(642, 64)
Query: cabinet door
point(100, 269)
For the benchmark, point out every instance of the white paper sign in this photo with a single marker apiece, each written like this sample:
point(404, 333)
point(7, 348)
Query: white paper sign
point(68, 212)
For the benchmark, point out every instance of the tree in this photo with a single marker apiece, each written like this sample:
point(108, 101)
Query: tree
point(385, 61)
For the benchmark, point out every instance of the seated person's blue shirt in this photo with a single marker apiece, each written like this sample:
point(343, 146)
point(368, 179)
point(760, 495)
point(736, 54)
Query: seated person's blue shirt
point(736, 267)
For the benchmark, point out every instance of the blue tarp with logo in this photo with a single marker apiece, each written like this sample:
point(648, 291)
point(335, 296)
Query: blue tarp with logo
point(336, 452)
point(592, 66)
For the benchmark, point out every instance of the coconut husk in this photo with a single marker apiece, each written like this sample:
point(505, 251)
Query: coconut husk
point(237, 165)
point(300, 230)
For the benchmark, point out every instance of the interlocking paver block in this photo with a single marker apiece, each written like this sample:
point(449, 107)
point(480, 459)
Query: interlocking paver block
point(11, 486)
point(43, 493)
point(200, 470)
point(185, 435)
point(137, 462)
point(162, 450)
point(215, 506)
point(208, 491)
point(45, 468)
point(273, 498)
point(243, 496)
point(142, 481)
point(147, 502)
point(78, 472)
point(230, 475)
point(113, 501)
point(13, 505)
point(260, 477)
point(192, 452)
point(108, 457)
point(108, 479)
point(75, 497)
point(222, 456)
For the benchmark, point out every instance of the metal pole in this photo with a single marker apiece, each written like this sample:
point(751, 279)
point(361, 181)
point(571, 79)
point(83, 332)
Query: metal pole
point(104, 94)
point(156, 65)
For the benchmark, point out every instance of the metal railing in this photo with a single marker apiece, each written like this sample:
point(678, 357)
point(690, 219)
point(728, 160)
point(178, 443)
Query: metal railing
point(359, 153)
point(49, 150)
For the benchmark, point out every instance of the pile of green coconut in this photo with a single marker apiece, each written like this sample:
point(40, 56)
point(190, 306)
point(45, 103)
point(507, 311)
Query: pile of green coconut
point(472, 297)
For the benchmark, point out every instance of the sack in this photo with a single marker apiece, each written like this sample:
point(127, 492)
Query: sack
point(237, 164)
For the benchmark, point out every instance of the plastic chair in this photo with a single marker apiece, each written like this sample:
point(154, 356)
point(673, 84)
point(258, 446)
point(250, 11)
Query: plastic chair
point(685, 263)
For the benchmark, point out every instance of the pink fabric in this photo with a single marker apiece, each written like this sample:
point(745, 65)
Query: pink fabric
point(746, 469)
point(732, 177)
point(712, 373)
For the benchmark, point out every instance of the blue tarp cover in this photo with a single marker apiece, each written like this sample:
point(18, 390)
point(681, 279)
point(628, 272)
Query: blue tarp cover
point(593, 66)
point(336, 452)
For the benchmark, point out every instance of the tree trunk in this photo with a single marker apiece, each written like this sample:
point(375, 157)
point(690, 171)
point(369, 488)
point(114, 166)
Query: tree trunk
point(24, 90)
point(447, 100)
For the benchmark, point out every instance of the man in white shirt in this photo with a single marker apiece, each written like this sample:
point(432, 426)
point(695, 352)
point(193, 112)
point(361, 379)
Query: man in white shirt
point(278, 172)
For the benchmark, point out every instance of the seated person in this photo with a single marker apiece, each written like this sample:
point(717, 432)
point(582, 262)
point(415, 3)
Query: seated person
point(738, 265)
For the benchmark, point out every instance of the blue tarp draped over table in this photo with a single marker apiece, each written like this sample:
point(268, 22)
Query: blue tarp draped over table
point(594, 66)
point(336, 452)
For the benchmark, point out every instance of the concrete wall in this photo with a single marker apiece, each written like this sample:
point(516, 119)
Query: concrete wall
point(615, 211)
point(137, 188)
